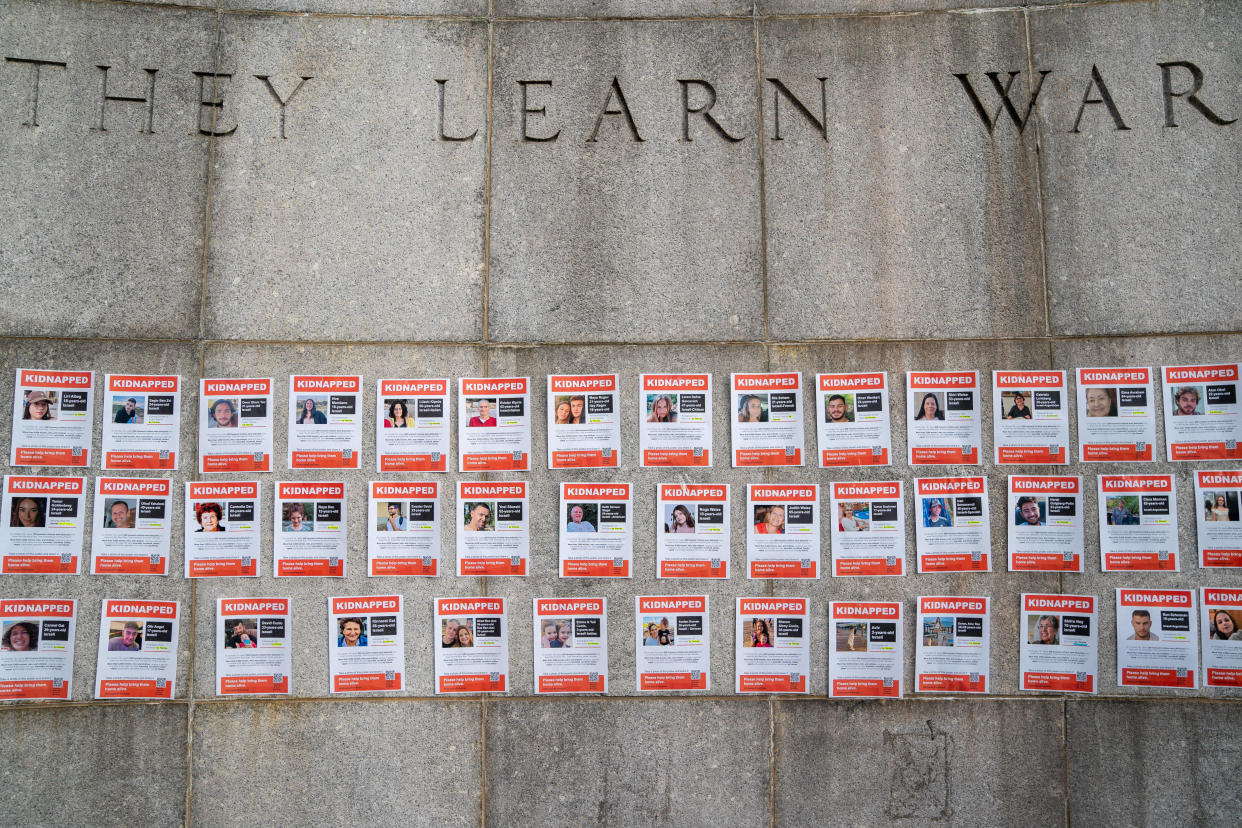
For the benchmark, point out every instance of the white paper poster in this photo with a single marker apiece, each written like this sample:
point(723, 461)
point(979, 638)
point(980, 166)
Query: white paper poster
point(366, 643)
point(571, 645)
point(953, 644)
point(953, 530)
point(943, 414)
point(1030, 417)
point(223, 522)
point(1116, 415)
point(1218, 495)
point(235, 425)
point(471, 641)
point(141, 422)
point(1222, 637)
point(1138, 522)
point(675, 419)
point(493, 424)
point(672, 642)
point(403, 529)
point(36, 648)
point(309, 529)
point(782, 535)
point(767, 420)
point(137, 657)
point(325, 422)
point(853, 419)
point(597, 530)
point(773, 649)
point(865, 655)
point(412, 425)
point(133, 526)
point(1157, 638)
point(53, 414)
point(1045, 524)
point(1059, 643)
point(692, 531)
point(254, 642)
point(41, 525)
point(1202, 420)
point(493, 528)
point(584, 421)
point(868, 521)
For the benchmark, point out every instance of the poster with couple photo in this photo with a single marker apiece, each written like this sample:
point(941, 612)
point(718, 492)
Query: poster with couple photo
point(471, 644)
point(571, 645)
point(672, 643)
point(584, 421)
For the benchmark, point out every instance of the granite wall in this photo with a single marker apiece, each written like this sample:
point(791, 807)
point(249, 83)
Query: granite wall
point(428, 187)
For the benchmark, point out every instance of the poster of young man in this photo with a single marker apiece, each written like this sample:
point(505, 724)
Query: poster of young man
point(470, 637)
point(403, 529)
point(1116, 415)
point(773, 645)
point(412, 425)
point(866, 653)
point(852, 419)
point(1157, 638)
point(672, 642)
point(675, 420)
point(223, 522)
point(1030, 417)
point(782, 535)
point(53, 415)
point(596, 530)
point(767, 420)
point(1045, 524)
point(1059, 643)
point(36, 648)
point(141, 422)
point(1202, 420)
point(943, 415)
point(41, 525)
point(254, 643)
point(310, 530)
point(584, 421)
point(868, 522)
point(137, 656)
point(1138, 522)
point(493, 424)
point(493, 528)
point(952, 644)
point(325, 422)
point(366, 644)
point(235, 419)
point(571, 645)
point(133, 526)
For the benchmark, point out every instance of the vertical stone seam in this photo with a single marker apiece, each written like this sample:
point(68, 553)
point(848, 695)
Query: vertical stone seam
point(772, 762)
point(763, 206)
point(1039, 177)
point(1065, 756)
point(487, 178)
point(482, 760)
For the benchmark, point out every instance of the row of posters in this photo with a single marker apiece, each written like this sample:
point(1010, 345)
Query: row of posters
point(1161, 636)
point(53, 418)
point(42, 523)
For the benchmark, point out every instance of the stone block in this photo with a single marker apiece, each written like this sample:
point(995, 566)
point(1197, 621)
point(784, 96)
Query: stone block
point(1120, 754)
point(371, 762)
point(1140, 222)
point(647, 763)
point(597, 236)
point(106, 765)
point(954, 762)
point(768, 7)
point(901, 217)
point(453, 8)
point(106, 200)
point(310, 595)
point(340, 215)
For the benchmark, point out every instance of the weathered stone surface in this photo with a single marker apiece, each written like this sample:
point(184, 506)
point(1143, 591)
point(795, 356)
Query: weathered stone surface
point(904, 219)
point(101, 765)
point(310, 595)
point(623, 8)
point(332, 764)
point(954, 762)
point(670, 762)
point(1140, 224)
point(358, 224)
point(544, 581)
point(454, 8)
point(767, 7)
point(104, 227)
point(1119, 751)
point(614, 239)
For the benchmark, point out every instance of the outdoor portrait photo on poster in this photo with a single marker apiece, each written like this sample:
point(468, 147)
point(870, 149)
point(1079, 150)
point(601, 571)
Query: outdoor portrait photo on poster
point(403, 532)
point(1222, 636)
point(571, 645)
point(366, 644)
point(1218, 518)
point(943, 416)
point(470, 639)
point(1030, 417)
point(41, 525)
point(493, 424)
point(952, 644)
point(1045, 525)
point(675, 420)
point(310, 530)
point(1059, 644)
point(672, 642)
point(1116, 415)
point(866, 654)
point(36, 648)
point(493, 528)
point(852, 419)
point(1157, 638)
point(584, 421)
point(692, 530)
point(53, 416)
point(137, 656)
point(782, 534)
point(133, 526)
point(1202, 420)
point(953, 530)
point(596, 530)
point(1138, 522)
point(412, 425)
point(223, 523)
point(772, 648)
point(141, 422)
point(325, 422)
point(767, 420)
point(235, 424)
point(254, 643)
point(868, 528)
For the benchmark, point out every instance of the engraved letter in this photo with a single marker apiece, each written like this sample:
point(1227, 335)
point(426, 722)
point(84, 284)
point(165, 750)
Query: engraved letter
point(1105, 98)
point(705, 110)
point(285, 102)
point(1190, 95)
point(614, 90)
point(1006, 104)
point(779, 90)
point(216, 103)
point(526, 110)
point(149, 100)
point(443, 135)
point(35, 66)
